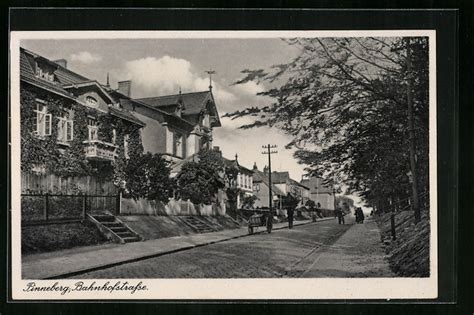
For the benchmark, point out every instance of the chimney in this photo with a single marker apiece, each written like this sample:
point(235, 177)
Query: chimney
point(255, 168)
point(265, 169)
point(125, 87)
point(61, 62)
point(217, 150)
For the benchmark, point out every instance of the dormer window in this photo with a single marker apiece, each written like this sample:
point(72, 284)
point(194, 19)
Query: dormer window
point(43, 74)
point(90, 101)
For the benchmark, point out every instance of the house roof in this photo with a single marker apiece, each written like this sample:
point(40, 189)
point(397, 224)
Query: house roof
point(87, 83)
point(230, 163)
point(27, 74)
point(66, 79)
point(193, 104)
point(259, 176)
point(284, 177)
point(280, 177)
point(294, 182)
point(126, 115)
point(316, 184)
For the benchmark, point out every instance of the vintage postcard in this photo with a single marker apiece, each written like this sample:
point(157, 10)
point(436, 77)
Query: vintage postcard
point(217, 165)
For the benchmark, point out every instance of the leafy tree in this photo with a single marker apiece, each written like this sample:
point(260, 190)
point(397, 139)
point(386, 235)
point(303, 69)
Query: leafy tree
point(200, 181)
point(344, 102)
point(148, 176)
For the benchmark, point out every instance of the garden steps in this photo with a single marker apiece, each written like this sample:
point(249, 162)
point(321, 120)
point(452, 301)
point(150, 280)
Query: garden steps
point(114, 228)
point(199, 225)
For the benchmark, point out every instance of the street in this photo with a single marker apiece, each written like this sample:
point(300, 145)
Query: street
point(283, 253)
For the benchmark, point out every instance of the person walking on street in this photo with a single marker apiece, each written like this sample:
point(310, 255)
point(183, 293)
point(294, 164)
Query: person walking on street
point(340, 216)
point(359, 215)
point(290, 213)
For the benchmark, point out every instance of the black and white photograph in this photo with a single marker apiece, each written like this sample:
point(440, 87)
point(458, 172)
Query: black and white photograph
point(176, 165)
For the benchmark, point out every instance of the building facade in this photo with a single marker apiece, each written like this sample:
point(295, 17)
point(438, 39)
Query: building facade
point(242, 183)
point(177, 126)
point(81, 126)
point(319, 192)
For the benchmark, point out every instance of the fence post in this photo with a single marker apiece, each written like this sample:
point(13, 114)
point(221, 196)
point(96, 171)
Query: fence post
point(46, 207)
point(392, 224)
point(84, 206)
point(118, 203)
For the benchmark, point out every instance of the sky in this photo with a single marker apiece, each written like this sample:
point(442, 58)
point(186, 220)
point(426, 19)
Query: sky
point(163, 66)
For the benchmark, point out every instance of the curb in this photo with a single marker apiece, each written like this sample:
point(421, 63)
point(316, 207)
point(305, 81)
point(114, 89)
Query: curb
point(126, 261)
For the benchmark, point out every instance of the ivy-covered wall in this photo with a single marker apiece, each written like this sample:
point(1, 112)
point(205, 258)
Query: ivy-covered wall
point(69, 160)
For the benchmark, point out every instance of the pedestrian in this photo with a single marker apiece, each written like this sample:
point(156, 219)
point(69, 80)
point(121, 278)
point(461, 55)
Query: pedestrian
point(289, 212)
point(340, 216)
point(359, 215)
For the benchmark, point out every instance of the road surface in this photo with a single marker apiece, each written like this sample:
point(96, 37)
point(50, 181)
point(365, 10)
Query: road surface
point(283, 253)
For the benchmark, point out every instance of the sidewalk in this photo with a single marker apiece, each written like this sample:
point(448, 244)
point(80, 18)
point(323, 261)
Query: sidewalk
point(357, 253)
point(65, 263)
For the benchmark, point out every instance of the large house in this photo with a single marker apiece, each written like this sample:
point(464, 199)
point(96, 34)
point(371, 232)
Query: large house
point(320, 192)
point(71, 108)
point(177, 126)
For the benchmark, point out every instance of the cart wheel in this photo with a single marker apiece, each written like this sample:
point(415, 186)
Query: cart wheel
point(250, 229)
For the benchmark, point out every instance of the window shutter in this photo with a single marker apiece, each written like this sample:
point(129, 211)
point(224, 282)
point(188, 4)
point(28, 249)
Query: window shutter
point(70, 130)
point(125, 146)
point(174, 143)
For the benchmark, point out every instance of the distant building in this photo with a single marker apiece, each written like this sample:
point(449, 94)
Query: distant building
point(284, 190)
point(319, 192)
point(262, 191)
point(243, 181)
point(290, 188)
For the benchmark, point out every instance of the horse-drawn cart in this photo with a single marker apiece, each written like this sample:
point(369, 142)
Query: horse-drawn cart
point(262, 219)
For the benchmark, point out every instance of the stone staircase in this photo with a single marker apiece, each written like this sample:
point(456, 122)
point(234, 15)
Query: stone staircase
point(198, 225)
point(115, 229)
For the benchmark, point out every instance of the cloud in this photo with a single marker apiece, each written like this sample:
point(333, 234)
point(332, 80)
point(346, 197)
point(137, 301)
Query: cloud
point(86, 57)
point(153, 76)
point(249, 88)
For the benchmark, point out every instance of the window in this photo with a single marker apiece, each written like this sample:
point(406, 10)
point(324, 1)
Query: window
point(256, 187)
point(42, 74)
point(65, 129)
point(205, 120)
point(93, 129)
point(43, 120)
point(90, 101)
point(179, 145)
point(114, 136)
point(125, 145)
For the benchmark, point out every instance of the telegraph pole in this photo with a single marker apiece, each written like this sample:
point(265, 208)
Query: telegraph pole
point(411, 130)
point(269, 152)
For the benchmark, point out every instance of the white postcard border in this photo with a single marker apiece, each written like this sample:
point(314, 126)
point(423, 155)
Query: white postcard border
point(216, 289)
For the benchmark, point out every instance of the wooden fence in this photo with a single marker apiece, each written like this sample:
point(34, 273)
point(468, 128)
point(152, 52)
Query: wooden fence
point(55, 208)
point(52, 184)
